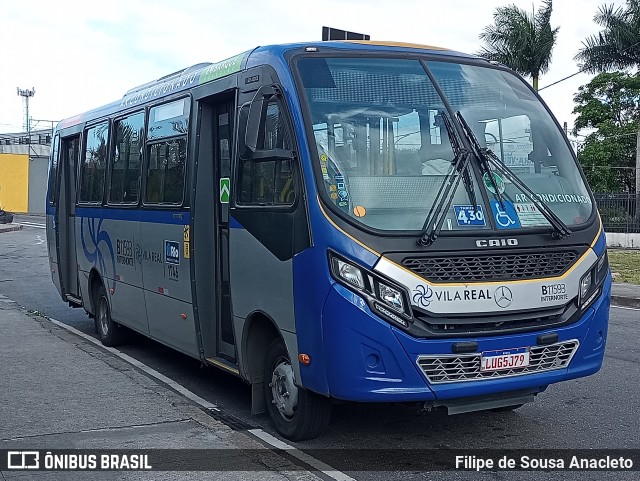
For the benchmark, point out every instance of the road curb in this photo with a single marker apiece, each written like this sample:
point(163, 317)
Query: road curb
point(625, 301)
point(9, 227)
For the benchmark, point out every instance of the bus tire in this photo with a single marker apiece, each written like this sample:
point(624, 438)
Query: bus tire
point(109, 332)
point(296, 413)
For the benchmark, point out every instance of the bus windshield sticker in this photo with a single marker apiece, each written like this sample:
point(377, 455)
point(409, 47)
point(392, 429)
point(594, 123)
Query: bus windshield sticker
point(343, 194)
point(529, 214)
point(323, 166)
point(499, 182)
point(559, 198)
point(505, 215)
point(469, 215)
point(359, 211)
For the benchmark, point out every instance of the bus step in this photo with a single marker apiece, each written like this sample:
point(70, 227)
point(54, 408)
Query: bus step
point(223, 364)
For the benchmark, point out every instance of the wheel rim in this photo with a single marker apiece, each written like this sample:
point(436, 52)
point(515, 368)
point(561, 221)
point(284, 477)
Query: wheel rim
point(284, 390)
point(103, 316)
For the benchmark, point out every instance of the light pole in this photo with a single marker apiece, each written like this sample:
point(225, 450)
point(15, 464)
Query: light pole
point(26, 93)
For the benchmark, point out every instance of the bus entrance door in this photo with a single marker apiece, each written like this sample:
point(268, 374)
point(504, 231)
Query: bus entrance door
point(67, 260)
point(223, 136)
point(210, 231)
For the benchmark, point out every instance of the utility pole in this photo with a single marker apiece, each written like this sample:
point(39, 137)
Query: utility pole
point(26, 93)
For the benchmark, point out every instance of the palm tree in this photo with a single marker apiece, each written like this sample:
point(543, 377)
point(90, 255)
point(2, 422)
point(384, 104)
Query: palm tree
point(521, 40)
point(616, 47)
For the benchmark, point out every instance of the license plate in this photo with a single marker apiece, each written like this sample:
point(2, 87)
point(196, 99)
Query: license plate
point(505, 359)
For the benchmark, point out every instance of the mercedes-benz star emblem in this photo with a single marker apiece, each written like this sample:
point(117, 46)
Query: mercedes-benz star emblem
point(503, 296)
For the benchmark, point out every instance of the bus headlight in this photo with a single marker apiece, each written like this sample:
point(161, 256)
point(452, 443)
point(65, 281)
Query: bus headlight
point(385, 298)
point(350, 274)
point(585, 284)
point(591, 282)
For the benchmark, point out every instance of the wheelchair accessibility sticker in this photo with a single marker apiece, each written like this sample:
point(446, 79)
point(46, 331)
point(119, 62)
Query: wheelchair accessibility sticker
point(505, 215)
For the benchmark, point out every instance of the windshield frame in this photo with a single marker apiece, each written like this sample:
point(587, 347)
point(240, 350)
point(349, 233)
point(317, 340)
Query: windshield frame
point(423, 58)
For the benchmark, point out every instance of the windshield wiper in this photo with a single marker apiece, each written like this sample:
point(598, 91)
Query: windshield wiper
point(462, 156)
point(487, 159)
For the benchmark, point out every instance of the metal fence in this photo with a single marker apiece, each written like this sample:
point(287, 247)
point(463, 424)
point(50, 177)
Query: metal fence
point(40, 137)
point(619, 212)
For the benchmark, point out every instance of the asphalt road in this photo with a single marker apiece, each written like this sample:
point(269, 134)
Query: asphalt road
point(601, 411)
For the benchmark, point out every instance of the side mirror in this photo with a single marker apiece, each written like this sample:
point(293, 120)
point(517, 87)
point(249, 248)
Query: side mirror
point(257, 116)
point(255, 129)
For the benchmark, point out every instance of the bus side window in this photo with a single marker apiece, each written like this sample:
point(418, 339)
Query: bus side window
point(166, 172)
point(94, 163)
point(167, 159)
point(124, 187)
point(268, 182)
point(53, 172)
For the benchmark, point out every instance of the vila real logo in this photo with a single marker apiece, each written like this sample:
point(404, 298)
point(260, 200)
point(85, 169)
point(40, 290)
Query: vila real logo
point(424, 296)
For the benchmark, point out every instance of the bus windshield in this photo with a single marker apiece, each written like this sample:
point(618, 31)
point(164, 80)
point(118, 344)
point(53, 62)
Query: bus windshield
point(384, 153)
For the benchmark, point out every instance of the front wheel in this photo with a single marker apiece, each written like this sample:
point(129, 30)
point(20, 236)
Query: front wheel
point(296, 413)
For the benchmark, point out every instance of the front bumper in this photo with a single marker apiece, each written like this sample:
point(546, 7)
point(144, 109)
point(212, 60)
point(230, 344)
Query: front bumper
point(369, 360)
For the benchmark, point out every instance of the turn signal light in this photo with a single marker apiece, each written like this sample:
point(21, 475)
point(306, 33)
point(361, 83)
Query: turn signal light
point(304, 359)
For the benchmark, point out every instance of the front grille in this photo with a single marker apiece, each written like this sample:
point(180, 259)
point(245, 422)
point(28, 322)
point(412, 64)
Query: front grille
point(495, 323)
point(466, 367)
point(491, 267)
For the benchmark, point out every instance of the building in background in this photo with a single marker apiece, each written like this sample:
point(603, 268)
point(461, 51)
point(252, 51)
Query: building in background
point(24, 160)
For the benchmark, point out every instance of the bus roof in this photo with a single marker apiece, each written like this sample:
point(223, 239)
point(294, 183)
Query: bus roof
point(206, 72)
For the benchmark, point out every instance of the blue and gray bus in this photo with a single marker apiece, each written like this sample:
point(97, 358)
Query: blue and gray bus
point(340, 220)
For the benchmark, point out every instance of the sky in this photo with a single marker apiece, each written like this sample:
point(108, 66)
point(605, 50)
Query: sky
point(81, 54)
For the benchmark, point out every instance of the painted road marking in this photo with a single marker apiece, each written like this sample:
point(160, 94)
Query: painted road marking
point(627, 308)
point(258, 433)
point(31, 224)
point(302, 456)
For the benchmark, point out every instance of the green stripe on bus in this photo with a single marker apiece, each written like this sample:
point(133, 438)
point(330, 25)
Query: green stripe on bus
point(223, 68)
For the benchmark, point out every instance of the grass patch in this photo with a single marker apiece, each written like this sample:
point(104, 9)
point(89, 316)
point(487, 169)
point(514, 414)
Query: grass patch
point(626, 264)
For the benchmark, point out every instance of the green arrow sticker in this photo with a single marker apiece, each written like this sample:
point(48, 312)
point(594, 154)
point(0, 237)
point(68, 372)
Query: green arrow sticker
point(225, 190)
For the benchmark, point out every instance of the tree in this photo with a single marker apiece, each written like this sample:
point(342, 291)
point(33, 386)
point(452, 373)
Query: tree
point(610, 103)
point(617, 46)
point(521, 40)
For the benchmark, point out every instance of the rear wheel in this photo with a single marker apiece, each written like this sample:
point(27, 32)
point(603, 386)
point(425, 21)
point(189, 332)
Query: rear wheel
point(109, 332)
point(296, 413)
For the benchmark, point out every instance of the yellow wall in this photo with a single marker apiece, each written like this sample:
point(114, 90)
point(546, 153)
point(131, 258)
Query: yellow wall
point(14, 182)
